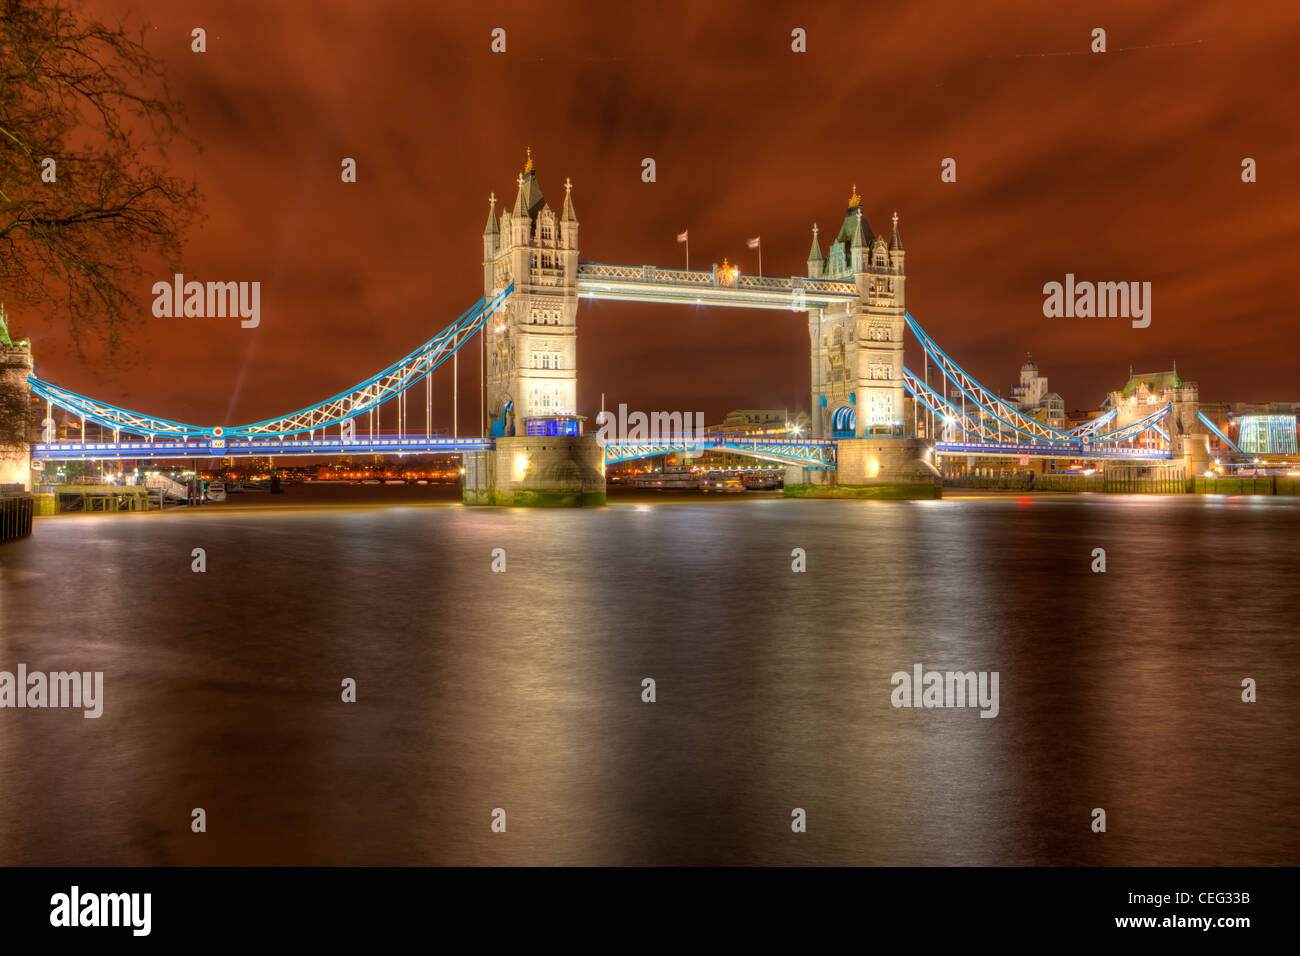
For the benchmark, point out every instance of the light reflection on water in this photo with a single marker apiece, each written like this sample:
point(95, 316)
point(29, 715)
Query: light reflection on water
point(523, 690)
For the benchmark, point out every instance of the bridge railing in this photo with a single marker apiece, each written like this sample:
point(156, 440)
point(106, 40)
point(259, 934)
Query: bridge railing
point(1079, 450)
point(813, 452)
point(207, 447)
point(733, 437)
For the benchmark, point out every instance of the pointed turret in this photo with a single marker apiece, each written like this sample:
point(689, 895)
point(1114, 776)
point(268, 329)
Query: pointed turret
point(815, 260)
point(568, 215)
point(521, 225)
point(859, 250)
point(569, 223)
point(520, 207)
point(859, 240)
point(491, 230)
point(815, 251)
point(895, 241)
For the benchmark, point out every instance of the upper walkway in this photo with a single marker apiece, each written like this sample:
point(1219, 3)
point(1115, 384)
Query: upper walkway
point(724, 287)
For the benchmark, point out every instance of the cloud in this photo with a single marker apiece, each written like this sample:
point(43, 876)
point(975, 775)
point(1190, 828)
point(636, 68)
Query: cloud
point(1116, 166)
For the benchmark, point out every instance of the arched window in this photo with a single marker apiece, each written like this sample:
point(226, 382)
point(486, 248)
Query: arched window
point(844, 422)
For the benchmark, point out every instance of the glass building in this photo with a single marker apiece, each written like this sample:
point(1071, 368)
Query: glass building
point(1267, 434)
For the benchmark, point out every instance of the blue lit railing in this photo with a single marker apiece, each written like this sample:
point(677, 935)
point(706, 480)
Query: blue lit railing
point(209, 447)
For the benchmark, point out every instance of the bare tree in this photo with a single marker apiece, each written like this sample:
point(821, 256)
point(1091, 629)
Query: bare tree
point(83, 108)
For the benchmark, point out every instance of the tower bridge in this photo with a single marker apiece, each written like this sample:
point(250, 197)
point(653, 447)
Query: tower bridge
point(864, 429)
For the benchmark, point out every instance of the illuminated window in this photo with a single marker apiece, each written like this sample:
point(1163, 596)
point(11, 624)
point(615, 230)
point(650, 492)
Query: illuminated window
point(545, 398)
point(546, 360)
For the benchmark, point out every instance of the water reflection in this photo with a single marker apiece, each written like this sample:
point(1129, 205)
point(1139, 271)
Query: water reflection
point(523, 690)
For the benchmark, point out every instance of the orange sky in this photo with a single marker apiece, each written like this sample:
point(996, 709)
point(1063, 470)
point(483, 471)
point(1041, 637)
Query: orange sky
point(1116, 166)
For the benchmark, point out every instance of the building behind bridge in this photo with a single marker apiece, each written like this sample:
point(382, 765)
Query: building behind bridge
point(1030, 396)
point(1257, 428)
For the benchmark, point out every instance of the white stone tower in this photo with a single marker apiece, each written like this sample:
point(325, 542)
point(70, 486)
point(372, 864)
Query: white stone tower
point(532, 341)
point(857, 352)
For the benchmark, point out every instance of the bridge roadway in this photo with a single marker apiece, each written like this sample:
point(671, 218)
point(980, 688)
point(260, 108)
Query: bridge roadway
point(810, 452)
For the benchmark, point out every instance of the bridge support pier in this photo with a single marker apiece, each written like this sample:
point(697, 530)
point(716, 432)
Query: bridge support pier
point(560, 471)
point(15, 408)
point(1194, 451)
point(879, 467)
point(799, 475)
point(904, 467)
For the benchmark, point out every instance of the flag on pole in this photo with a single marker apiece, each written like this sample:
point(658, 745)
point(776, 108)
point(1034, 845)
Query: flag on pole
point(683, 236)
point(753, 243)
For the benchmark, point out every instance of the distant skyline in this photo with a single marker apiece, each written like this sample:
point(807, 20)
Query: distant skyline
point(1122, 166)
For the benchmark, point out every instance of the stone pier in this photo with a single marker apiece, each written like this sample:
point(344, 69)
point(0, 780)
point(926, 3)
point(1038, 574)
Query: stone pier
point(880, 467)
point(15, 410)
point(559, 471)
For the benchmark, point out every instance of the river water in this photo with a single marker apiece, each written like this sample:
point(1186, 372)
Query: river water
point(522, 690)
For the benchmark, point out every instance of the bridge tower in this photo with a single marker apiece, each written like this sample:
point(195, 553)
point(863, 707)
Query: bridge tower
point(540, 456)
point(532, 341)
point(857, 351)
point(1145, 392)
point(1188, 439)
point(15, 409)
point(857, 357)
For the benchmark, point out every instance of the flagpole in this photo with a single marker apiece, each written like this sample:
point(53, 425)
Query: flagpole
point(688, 251)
